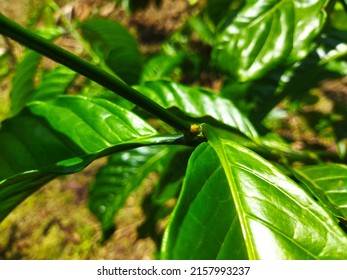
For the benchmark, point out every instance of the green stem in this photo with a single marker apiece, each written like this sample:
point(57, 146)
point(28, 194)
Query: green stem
point(33, 41)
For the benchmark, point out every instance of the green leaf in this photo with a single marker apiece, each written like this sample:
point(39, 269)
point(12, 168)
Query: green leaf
point(329, 183)
point(158, 205)
point(124, 173)
point(92, 124)
point(236, 205)
point(23, 81)
point(332, 47)
point(114, 182)
point(199, 104)
point(115, 46)
point(259, 97)
point(94, 90)
point(16, 189)
point(172, 169)
point(160, 66)
point(64, 136)
point(53, 83)
point(265, 34)
point(202, 29)
point(5, 63)
point(217, 10)
point(338, 16)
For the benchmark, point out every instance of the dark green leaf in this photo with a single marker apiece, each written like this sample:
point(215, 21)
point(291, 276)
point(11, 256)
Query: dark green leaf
point(333, 48)
point(159, 204)
point(14, 190)
point(172, 169)
point(197, 103)
point(236, 205)
point(265, 34)
point(329, 183)
point(23, 81)
point(123, 173)
point(115, 46)
point(217, 10)
point(154, 214)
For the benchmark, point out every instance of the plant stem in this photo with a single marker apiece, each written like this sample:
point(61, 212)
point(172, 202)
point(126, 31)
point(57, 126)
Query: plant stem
point(33, 41)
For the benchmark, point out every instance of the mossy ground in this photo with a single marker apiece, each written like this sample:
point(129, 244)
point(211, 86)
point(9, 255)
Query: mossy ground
point(55, 223)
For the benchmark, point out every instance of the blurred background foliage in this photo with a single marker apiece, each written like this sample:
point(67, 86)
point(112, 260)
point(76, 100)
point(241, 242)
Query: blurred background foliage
point(170, 35)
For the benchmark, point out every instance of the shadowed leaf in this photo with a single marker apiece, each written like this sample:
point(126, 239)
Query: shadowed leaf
point(115, 46)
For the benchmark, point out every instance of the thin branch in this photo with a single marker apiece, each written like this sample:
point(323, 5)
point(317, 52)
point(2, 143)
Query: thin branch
point(33, 41)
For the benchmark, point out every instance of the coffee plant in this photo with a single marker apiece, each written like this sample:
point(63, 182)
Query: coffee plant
point(241, 190)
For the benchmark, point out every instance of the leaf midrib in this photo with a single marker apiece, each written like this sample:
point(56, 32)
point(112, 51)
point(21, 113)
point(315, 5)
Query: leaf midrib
point(290, 197)
point(237, 200)
point(267, 13)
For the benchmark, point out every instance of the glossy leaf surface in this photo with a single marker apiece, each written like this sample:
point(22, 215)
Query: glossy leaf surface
point(197, 103)
point(115, 46)
point(265, 34)
point(64, 136)
point(236, 205)
point(328, 182)
point(261, 96)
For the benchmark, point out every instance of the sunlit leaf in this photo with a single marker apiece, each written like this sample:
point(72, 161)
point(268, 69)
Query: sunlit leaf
point(197, 103)
point(265, 34)
point(236, 205)
point(329, 183)
point(259, 97)
point(64, 136)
